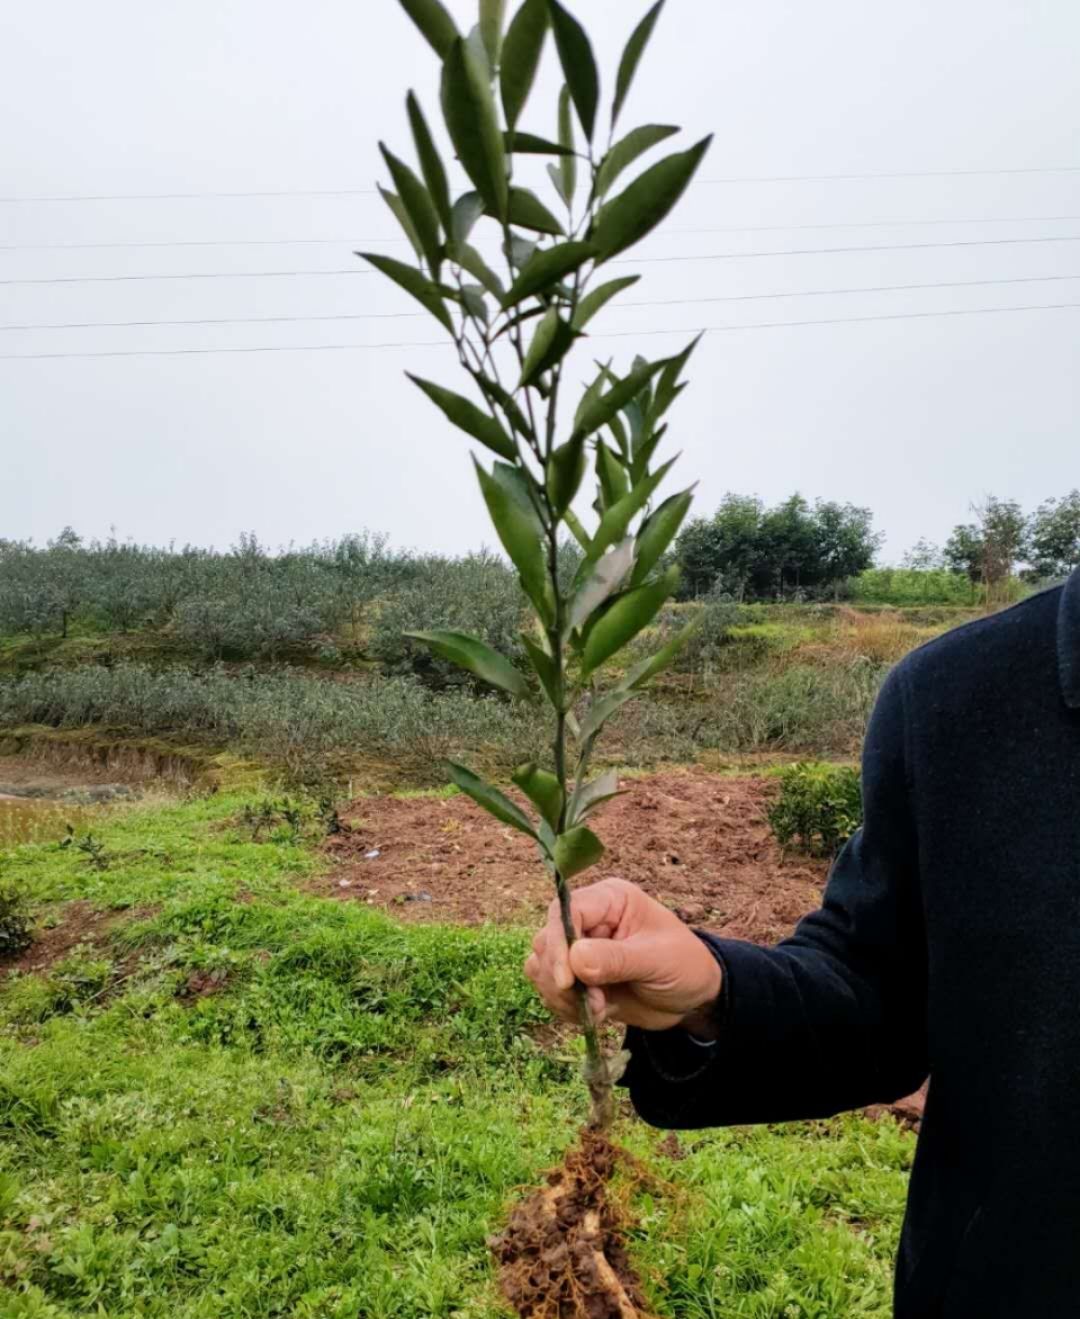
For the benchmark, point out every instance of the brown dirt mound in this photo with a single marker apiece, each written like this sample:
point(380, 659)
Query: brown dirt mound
point(563, 1254)
point(80, 923)
point(696, 841)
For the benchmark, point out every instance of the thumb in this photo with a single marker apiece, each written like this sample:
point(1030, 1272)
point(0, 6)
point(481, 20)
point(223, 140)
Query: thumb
point(611, 961)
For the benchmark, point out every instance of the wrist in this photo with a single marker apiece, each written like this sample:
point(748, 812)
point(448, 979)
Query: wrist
point(701, 1021)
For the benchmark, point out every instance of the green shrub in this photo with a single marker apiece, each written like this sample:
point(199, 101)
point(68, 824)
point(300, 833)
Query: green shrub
point(819, 807)
point(15, 936)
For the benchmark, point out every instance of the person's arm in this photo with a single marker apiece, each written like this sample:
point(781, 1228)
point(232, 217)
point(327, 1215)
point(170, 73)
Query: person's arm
point(832, 1018)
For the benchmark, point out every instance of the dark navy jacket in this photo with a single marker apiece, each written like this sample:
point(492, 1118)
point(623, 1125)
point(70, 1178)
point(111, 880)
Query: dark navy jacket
point(947, 945)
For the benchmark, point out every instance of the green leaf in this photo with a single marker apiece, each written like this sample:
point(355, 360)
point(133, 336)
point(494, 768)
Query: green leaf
point(545, 668)
point(639, 465)
point(588, 796)
point(551, 342)
point(642, 673)
point(416, 200)
point(601, 710)
point(469, 418)
point(658, 531)
point(520, 251)
point(631, 57)
point(565, 172)
point(616, 520)
point(647, 201)
point(528, 144)
point(520, 57)
point(472, 297)
point(667, 387)
point(604, 407)
point(492, 13)
point(545, 268)
point(577, 530)
point(412, 281)
point(592, 302)
point(543, 790)
point(614, 480)
point(625, 619)
point(434, 22)
point(469, 653)
point(578, 64)
point(626, 151)
point(577, 850)
point(565, 472)
point(469, 112)
point(464, 214)
point(402, 216)
point(518, 526)
point(431, 166)
point(605, 579)
point(527, 210)
point(491, 799)
point(496, 394)
point(468, 258)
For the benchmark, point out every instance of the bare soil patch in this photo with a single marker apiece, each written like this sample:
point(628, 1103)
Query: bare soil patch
point(80, 923)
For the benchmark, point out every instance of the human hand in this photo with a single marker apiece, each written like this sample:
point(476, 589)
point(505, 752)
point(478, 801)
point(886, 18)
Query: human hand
point(641, 964)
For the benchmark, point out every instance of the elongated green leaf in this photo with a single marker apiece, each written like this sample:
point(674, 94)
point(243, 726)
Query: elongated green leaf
point(626, 151)
point(551, 342)
point(527, 210)
point(520, 56)
point(606, 578)
point(625, 619)
point(577, 530)
point(564, 173)
point(431, 166)
point(543, 790)
point(472, 298)
point(614, 523)
point(604, 406)
point(578, 65)
point(469, 653)
point(492, 13)
point(639, 465)
point(412, 281)
point(470, 259)
point(505, 400)
point(545, 268)
point(402, 216)
point(577, 850)
point(601, 711)
point(520, 251)
point(469, 418)
point(592, 302)
point(586, 798)
point(613, 477)
point(518, 526)
point(667, 387)
point(464, 214)
point(469, 112)
point(642, 673)
point(565, 472)
point(416, 200)
point(545, 668)
point(658, 531)
point(528, 144)
point(645, 202)
point(434, 22)
point(631, 56)
point(491, 799)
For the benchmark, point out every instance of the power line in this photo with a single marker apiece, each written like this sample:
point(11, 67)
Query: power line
point(617, 334)
point(704, 256)
point(370, 192)
point(343, 242)
point(661, 302)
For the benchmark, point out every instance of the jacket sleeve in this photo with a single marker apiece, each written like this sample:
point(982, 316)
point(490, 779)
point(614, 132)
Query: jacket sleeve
point(833, 1017)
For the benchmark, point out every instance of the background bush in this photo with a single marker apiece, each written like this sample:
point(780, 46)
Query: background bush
point(819, 807)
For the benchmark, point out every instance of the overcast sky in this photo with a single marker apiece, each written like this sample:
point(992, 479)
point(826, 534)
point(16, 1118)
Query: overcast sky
point(913, 417)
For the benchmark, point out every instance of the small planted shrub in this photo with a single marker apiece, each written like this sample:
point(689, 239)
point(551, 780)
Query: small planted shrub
point(15, 928)
point(819, 808)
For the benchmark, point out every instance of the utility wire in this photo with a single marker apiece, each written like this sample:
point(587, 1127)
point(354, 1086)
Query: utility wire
point(369, 192)
point(617, 334)
point(705, 256)
point(661, 302)
point(345, 242)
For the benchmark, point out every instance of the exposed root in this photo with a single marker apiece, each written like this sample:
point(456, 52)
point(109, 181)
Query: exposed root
point(563, 1255)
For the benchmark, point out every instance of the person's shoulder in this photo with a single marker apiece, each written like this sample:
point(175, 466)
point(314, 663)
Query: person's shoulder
point(985, 647)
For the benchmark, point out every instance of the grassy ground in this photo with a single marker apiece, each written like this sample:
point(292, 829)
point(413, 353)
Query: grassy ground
point(248, 1101)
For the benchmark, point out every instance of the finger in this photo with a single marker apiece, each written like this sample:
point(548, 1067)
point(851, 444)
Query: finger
point(539, 942)
point(613, 961)
point(597, 1004)
point(532, 968)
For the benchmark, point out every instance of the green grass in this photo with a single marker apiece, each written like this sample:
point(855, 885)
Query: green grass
point(338, 1128)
